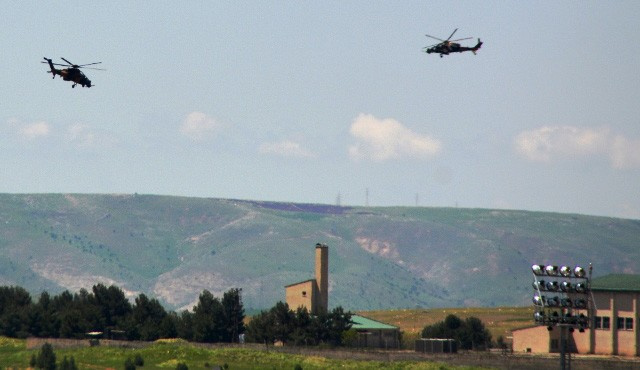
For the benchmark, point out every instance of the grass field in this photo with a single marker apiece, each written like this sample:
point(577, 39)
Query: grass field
point(167, 355)
point(500, 321)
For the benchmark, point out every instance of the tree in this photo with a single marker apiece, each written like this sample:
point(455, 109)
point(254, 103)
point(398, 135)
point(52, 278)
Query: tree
point(46, 358)
point(283, 319)
point(112, 303)
point(260, 328)
point(302, 328)
point(147, 315)
point(15, 305)
point(208, 319)
point(474, 334)
point(339, 322)
point(184, 325)
point(470, 333)
point(233, 315)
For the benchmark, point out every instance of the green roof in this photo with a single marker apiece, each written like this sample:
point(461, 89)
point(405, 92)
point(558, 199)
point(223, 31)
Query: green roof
point(361, 322)
point(620, 282)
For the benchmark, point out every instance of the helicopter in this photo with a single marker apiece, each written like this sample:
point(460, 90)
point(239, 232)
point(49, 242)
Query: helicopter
point(444, 47)
point(73, 73)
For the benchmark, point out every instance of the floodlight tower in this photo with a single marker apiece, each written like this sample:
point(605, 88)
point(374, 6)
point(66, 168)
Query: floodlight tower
point(562, 299)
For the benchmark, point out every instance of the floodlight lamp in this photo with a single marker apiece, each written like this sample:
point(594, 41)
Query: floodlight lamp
point(555, 317)
point(538, 301)
point(551, 270)
point(552, 286)
point(581, 288)
point(553, 302)
point(539, 285)
point(566, 286)
point(538, 316)
point(580, 303)
point(538, 269)
point(565, 271)
point(565, 302)
point(579, 272)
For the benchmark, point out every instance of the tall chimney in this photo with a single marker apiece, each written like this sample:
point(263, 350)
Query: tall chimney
point(322, 276)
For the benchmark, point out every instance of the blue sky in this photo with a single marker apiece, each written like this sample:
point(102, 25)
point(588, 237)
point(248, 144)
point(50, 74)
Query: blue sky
point(315, 101)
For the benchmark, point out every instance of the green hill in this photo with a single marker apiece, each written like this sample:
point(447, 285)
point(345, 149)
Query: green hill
point(379, 258)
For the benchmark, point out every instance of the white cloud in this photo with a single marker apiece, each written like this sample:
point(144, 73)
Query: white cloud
point(285, 148)
point(625, 153)
point(81, 135)
point(383, 139)
point(198, 126)
point(549, 143)
point(34, 130)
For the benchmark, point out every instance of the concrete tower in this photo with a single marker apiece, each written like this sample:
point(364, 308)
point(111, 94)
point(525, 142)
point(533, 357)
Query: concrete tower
point(322, 277)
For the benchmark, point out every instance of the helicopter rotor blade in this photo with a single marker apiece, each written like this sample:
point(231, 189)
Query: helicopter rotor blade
point(435, 38)
point(89, 64)
point(56, 64)
point(450, 36)
point(95, 69)
point(466, 38)
point(71, 64)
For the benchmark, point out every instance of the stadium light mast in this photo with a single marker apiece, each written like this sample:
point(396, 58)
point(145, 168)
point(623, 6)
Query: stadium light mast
point(561, 299)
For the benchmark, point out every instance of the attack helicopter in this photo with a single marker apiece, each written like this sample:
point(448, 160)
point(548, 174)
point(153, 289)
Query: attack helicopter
point(72, 73)
point(445, 47)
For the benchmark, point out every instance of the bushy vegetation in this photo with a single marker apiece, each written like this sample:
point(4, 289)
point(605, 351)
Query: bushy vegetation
point(106, 310)
point(470, 333)
point(168, 354)
point(282, 324)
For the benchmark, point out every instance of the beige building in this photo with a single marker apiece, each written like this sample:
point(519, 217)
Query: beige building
point(614, 323)
point(312, 294)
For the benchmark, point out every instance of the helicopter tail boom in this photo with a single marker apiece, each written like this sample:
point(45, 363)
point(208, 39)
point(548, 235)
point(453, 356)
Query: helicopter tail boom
point(53, 70)
point(475, 48)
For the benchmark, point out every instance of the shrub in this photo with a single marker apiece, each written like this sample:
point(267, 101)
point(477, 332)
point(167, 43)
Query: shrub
point(46, 358)
point(129, 365)
point(68, 364)
point(182, 366)
point(138, 360)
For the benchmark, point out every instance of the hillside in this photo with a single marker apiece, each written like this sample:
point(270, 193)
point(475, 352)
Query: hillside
point(379, 258)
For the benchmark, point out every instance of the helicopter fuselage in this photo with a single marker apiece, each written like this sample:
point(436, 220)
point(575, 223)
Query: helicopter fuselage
point(75, 75)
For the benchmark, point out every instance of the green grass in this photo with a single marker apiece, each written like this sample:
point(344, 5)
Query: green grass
point(14, 354)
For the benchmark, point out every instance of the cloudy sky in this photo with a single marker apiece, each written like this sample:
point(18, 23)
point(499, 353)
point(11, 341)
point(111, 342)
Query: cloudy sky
point(326, 102)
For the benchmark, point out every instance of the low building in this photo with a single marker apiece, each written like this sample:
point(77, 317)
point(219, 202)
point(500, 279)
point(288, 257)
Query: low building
point(312, 294)
point(374, 334)
point(613, 329)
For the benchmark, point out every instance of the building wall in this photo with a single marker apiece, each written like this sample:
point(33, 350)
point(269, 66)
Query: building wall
point(301, 295)
point(617, 340)
point(601, 340)
point(378, 338)
point(322, 277)
point(535, 340)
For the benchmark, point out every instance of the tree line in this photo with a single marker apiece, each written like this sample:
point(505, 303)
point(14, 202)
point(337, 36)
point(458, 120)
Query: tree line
point(108, 311)
point(284, 325)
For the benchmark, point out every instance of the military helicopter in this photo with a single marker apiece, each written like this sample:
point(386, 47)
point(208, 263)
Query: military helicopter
point(444, 47)
point(73, 73)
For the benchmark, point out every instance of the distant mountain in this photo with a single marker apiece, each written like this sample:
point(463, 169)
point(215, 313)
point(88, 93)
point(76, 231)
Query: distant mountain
point(172, 248)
